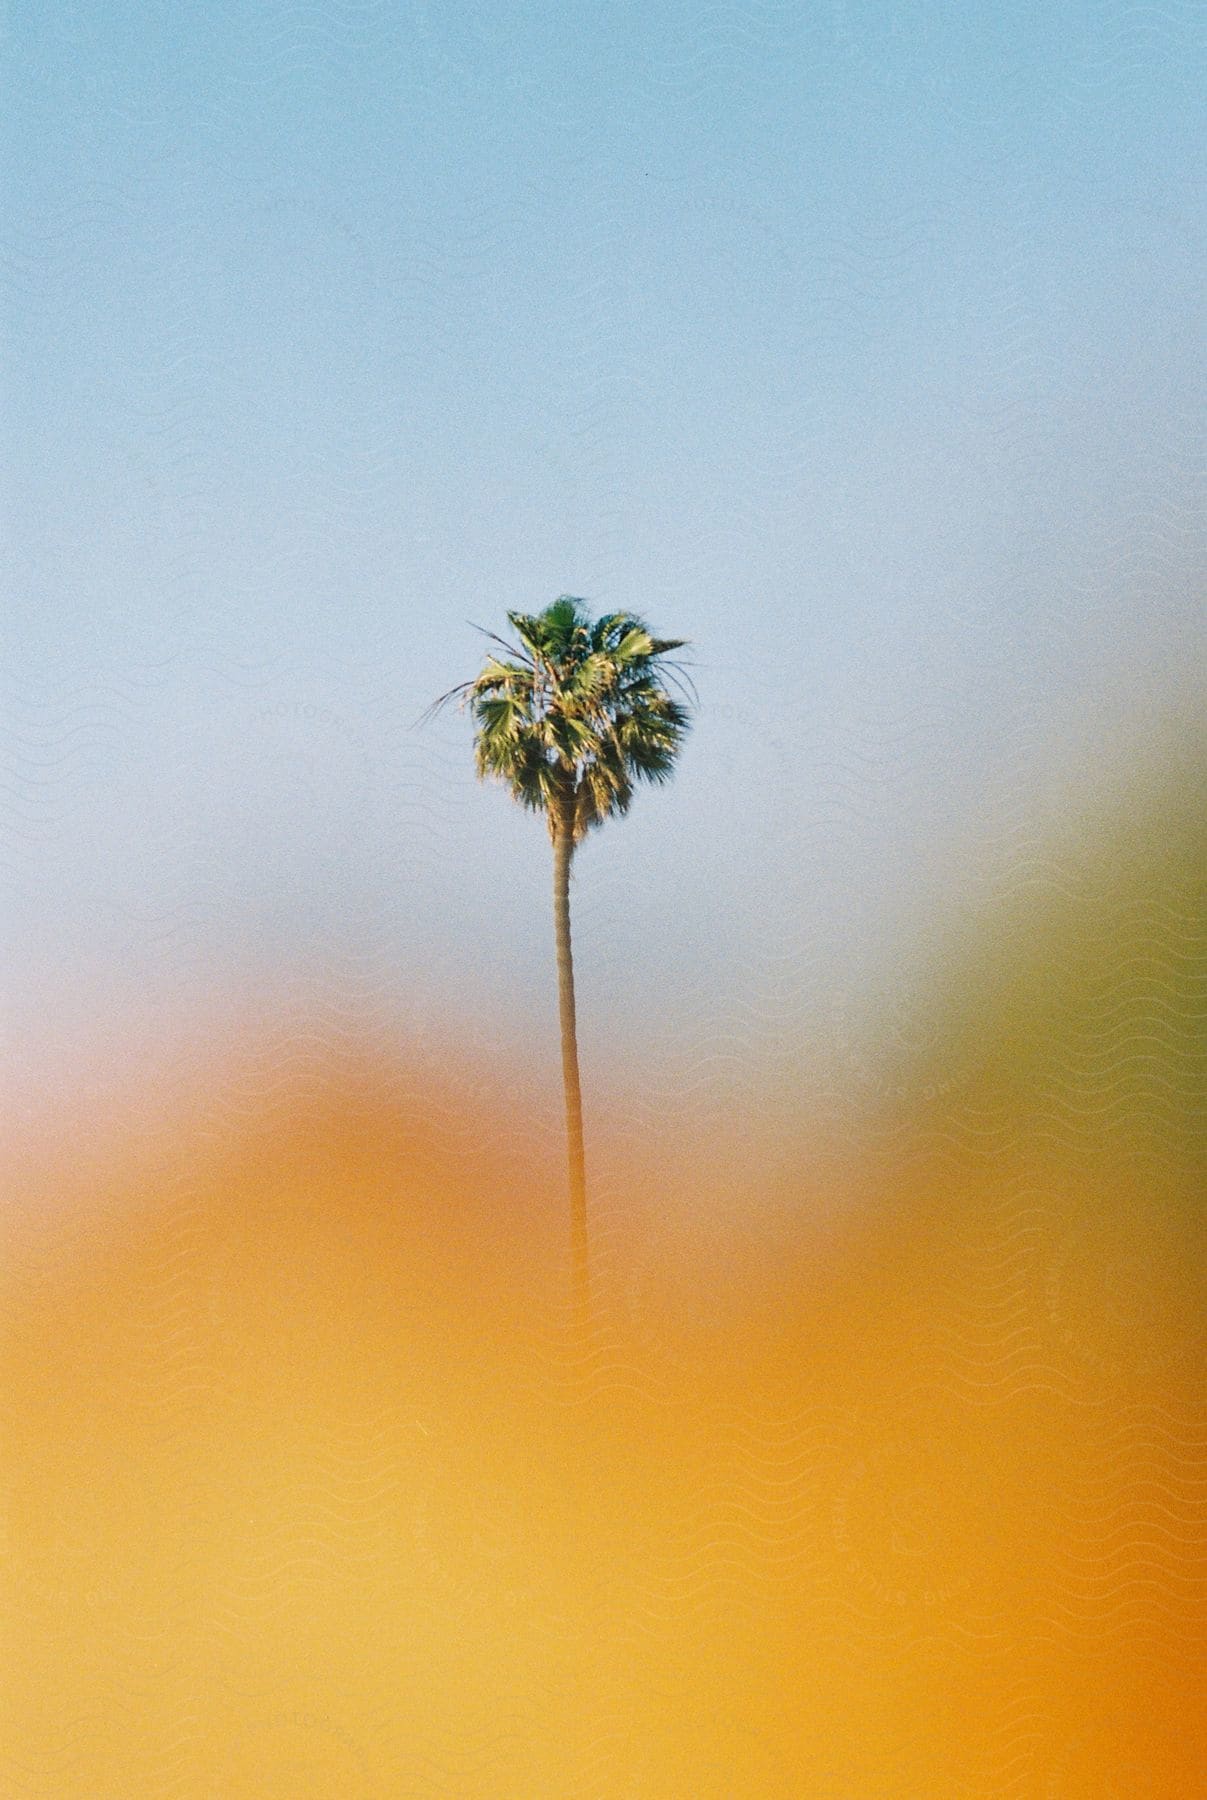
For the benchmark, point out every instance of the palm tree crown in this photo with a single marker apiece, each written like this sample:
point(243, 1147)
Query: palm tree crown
point(576, 712)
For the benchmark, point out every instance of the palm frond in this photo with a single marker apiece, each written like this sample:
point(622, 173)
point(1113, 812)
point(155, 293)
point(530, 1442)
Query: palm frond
point(502, 642)
point(437, 706)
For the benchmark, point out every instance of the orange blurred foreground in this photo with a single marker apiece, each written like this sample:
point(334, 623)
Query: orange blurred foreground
point(308, 1492)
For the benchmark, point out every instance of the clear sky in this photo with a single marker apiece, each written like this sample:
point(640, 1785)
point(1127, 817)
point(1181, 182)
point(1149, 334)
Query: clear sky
point(857, 342)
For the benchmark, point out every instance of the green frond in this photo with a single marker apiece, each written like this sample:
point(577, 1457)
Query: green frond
point(592, 678)
point(497, 677)
point(527, 627)
point(608, 628)
point(566, 616)
point(636, 644)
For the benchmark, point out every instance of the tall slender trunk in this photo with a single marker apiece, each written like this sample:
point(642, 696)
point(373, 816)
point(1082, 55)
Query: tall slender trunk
point(563, 851)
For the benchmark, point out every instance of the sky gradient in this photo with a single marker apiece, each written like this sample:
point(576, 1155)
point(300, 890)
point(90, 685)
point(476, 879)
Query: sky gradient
point(858, 344)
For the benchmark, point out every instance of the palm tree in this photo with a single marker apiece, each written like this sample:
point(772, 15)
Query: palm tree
point(571, 717)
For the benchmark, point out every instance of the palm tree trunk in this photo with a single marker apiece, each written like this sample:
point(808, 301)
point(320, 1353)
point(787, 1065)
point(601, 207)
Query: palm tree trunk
point(563, 851)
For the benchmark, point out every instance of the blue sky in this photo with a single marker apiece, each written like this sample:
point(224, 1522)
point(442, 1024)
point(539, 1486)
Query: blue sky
point(859, 343)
